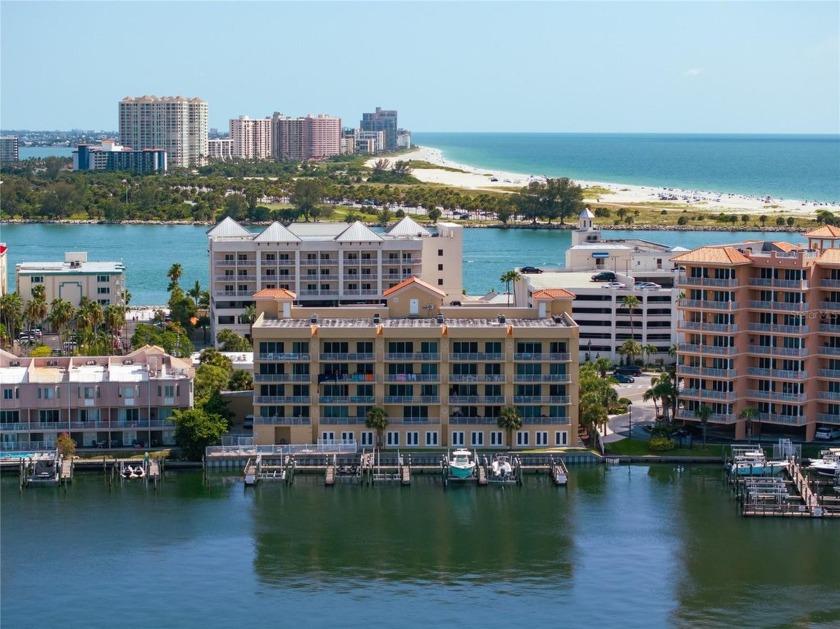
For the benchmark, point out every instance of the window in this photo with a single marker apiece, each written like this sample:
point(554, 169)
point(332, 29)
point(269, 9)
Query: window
point(542, 438)
point(496, 438)
point(412, 438)
point(392, 438)
point(7, 394)
point(37, 279)
point(521, 438)
point(366, 437)
point(347, 436)
point(440, 282)
point(328, 436)
point(101, 278)
point(476, 438)
point(440, 252)
point(440, 267)
point(431, 438)
point(103, 290)
point(458, 438)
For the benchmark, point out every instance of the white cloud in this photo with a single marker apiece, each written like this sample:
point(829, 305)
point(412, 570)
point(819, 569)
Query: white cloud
point(692, 71)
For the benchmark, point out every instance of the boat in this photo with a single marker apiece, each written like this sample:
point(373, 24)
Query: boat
point(132, 471)
point(461, 464)
point(755, 463)
point(828, 465)
point(501, 468)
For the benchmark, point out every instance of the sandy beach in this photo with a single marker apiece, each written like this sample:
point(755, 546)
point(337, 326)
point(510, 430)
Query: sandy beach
point(618, 194)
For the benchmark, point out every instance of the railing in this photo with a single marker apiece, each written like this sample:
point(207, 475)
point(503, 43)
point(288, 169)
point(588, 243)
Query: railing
point(412, 377)
point(714, 418)
point(397, 421)
point(477, 378)
point(325, 447)
point(281, 421)
point(707, 349)
point(830, 305)
point(778, 373)
point(830, 283)
point(235, 263)
point(708, 327)
point(779, 305)
point(365, 357)
point(473, 421)
point(828, 418)
point(281, 377)
point(86, 426)
point(708, 281)
point(281, 399)
point(348, 421)
point(709, 394)
point(775, 395)
point(270, 263)
point(477, 399)
point(359, 293)
point(232, 279)
point(412, 399)
point(709, 305)
point(541, 399)
point(706, 371)
point(828, 349)
point(780, 329)
point(412, 356)
point(828, 395)
point(530, 356)
point(475, 356)
point(283, 356)
point(234, 293)
point(549, 377)
point(318, 293)
point(778, 351)
point(764, 281)
point(346, 399)
point(830, 373)
point(773, 418)
point(26, 446)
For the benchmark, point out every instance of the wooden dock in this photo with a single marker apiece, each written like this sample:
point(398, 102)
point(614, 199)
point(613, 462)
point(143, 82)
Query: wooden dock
point(67, 466)
point(559, 472)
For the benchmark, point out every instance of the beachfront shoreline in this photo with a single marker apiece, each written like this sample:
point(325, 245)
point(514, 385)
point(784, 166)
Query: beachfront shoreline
point(475, 178)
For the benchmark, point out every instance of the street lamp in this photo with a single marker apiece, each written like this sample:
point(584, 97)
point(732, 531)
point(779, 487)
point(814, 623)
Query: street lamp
point(630, 419)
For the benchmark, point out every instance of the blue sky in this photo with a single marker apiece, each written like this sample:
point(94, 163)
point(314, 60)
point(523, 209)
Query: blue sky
point(704, 67)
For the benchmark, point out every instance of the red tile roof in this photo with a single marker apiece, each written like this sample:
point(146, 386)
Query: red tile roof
point(713, 255)
point(553, 293)
point(409, 282)
point(826, 231)
point(274, 293)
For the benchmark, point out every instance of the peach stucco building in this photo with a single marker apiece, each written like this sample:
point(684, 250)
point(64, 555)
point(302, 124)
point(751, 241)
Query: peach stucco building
point(442, 373)
point(760, 330)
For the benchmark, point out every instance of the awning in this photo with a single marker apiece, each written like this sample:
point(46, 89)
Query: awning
point(600, 255)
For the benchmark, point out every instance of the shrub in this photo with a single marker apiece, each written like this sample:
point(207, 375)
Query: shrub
point(661, 444)
point(682, 220)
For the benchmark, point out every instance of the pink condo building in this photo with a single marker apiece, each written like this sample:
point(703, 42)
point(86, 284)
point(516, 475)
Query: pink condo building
point(759, 335)
point(101, 401)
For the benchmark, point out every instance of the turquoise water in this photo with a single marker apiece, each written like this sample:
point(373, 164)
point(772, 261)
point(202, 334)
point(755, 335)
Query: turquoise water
point(27, 152)
point(149, 250)
point(646, 546)
point(804, 167)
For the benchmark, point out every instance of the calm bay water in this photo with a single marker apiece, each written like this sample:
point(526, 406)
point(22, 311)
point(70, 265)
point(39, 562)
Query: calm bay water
point(39, 152)
point(149, 250)
point(805, 167)
point(651, 546)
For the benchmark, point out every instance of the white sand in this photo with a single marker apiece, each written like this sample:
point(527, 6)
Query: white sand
point(478, 179)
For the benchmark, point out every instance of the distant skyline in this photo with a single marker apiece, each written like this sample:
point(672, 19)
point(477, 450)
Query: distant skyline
point(652, 67)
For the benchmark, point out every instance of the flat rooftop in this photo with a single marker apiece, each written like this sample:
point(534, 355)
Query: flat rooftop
point(572, 280)
point(367, 322)
point(52, 268)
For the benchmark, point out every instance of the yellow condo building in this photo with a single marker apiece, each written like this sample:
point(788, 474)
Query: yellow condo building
point(441, 373)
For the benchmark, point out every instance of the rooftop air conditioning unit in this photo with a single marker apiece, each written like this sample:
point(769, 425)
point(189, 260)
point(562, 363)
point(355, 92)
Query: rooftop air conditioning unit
point(502, 318)
point(52, 363)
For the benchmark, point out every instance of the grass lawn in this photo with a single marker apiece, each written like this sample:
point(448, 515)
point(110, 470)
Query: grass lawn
point(636, 447)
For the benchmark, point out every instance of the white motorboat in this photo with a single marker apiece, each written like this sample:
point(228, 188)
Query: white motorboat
point(828, 465)
point(501, 467)
point(755, 463)
point(461, 464)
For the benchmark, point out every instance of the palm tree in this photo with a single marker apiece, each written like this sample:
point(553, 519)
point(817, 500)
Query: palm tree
point(250, 315)
point(11, 311)
point(647, 350)
point(703, 412)
point(126, 297)
point(195, 292)
point(649, 395)
point(377, 419)
point(630, 302)
point(630, 349)
point(508, 277)
point(61, 314)
point(36, 310)
point(174, 274)
point(602, 365)
point(750, 414)
point(509, 420)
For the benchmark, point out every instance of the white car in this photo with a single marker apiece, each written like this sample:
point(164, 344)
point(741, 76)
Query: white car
point(614, 285)
point(827, 432)
point(647, 286)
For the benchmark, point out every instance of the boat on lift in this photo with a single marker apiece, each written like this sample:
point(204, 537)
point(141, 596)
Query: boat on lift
point(462, 464)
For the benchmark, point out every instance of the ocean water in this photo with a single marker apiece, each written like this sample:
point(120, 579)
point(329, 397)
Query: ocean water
point(804, 167)
point(149, 250)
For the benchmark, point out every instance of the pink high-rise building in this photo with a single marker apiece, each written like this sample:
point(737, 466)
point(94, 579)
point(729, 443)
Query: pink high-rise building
point(251, 138)
point(312, 137)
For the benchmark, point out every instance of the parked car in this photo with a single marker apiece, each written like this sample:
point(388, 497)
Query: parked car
point(827, 432)
point(623, 378)
point(614, 285)
point(603, 276)
point(647, 286)
point(530, 269)
point(628, 370)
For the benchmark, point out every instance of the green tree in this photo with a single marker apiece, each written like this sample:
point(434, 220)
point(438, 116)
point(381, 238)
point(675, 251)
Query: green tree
point(171, 338)
point(377, 420)
point(11, 311)
point(631, 302)
point(508, 277)
point(40, 351)
point(703, 413)
point(749, 415)
point(36, 310)
point(434, 215)
point(509, 420)
point(230, 341)
point(195, 430)
point(240, 380)
point(65, 445)
point(174, 274)
point(249, 315)
point(208, 379)
point(630, 349)
point(307, 195)
point(61, 314)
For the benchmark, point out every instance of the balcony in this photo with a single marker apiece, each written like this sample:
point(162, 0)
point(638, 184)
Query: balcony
point(830, 305)
point(412, 399)
point(343, 421)
point(359, 293)
point(234, 293)
point(728, 396)
point(412, 377)
point(342, 357)
point(284, 356)
point(477, 399)
point(398, 421)
point(235, 263)
point(714, 418)
point(710, 372)
point(271, 263)
point(549, 377)
point(830, 373)
point(346, 399)
point(707, 281)
point(527, 356)
point(453, 357)
point(708, 305)
point(477, 378)
point(828, 418)
point(828, 328)
point(232, 279)
point(779, 305)
point(799, 398)
point(319, 293)
point(783, 284)
point(412, 356)
point(778, 351)
point(779, 329)
point(708, 327)
point(541, 399)
point(473, 421)
point(281, 399)
point(830, 283)
point(774, 418)
point(281, 421)
point(319, 262)
point(828, 395)
point(281, 377)
point(707, 349)
point(777, 373)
